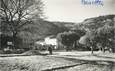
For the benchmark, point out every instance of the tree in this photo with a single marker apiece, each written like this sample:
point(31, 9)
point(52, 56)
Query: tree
point(14, 14)
point(105, 36)
point(89, 40)
point(92, 40)
point(68, 38)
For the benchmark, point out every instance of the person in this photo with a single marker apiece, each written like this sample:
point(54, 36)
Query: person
point(50, 49)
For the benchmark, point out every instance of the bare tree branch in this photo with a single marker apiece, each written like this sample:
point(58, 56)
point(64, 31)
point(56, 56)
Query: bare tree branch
point(15, 11)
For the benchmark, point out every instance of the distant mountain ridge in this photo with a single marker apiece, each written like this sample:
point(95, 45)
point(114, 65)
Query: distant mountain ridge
point(96, 22)
point(43, 28)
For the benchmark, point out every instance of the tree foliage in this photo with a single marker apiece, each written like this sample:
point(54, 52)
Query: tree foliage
point(105, 35)
point(68, 38)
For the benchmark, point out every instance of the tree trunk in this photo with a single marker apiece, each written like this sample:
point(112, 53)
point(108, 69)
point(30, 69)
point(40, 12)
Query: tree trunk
point(14, 40)
point(74, 45)
point(91, 50)
point(103, 49)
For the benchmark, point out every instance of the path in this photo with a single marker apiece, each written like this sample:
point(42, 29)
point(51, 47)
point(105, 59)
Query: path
point(97, 56)
point(79, 60)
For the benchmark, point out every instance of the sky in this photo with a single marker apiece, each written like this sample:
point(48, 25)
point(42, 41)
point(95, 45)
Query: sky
point(75, 11)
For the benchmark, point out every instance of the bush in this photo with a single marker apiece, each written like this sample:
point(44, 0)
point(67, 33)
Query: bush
point(34, 52)
point(18, 51)
point(1, 51)
point(10, 51)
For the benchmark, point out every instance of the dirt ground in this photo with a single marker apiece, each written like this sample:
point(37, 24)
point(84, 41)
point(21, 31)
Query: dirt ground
point(52, 63)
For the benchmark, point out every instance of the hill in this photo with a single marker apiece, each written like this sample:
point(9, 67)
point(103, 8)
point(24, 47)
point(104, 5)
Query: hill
point(97, 22)
point(42, 28)
point(68, 25)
